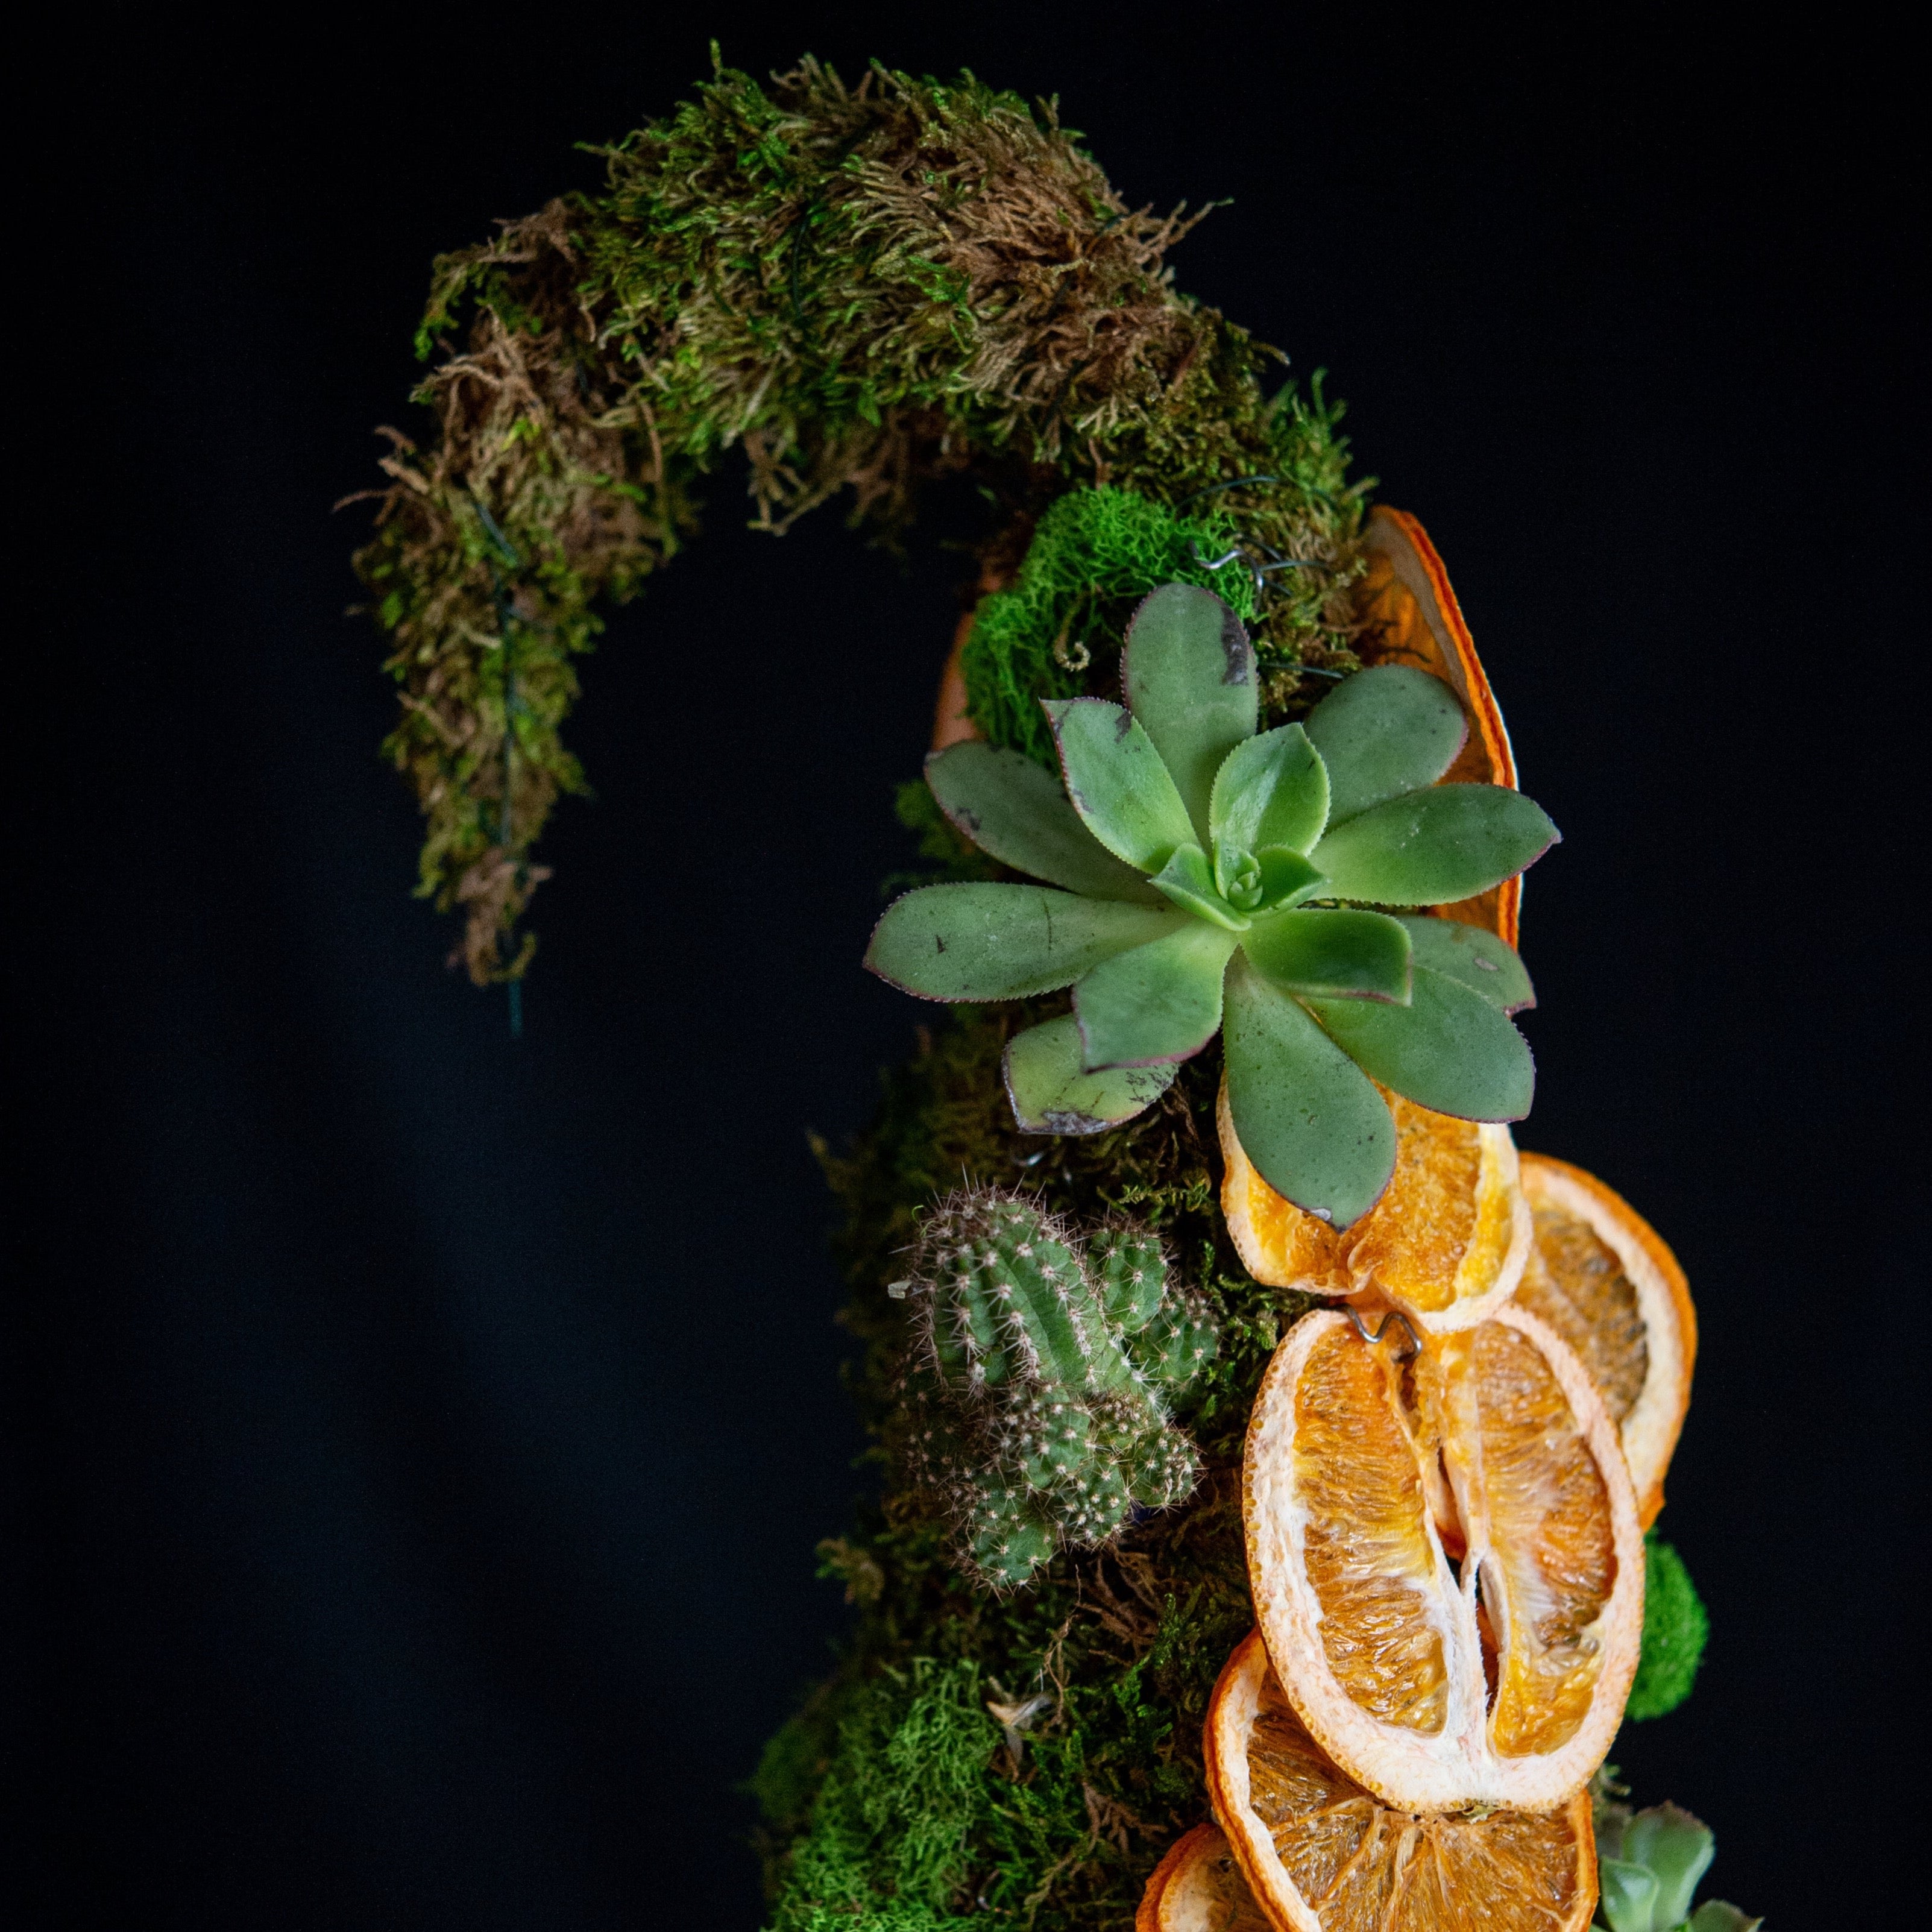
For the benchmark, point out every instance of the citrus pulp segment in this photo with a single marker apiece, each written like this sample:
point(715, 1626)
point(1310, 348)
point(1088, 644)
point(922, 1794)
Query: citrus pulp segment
point(1198, 1888)
point(1601, 1277)
point(1322, 1854)
point(1497, 1680)
point(1447, 1243)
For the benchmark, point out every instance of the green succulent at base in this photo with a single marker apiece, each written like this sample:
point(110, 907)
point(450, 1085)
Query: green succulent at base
point(1648, 1863)
point(1203, 878)
point(1036, 1390)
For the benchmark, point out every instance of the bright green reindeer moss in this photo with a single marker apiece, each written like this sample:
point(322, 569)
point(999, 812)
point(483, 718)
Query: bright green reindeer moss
point(1676, 1629)
point(1093, 554)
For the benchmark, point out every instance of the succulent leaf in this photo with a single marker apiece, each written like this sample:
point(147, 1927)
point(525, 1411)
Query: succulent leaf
point(1627, 1897)
point(1003, 942)
point(1388, 730)
point(1649, 1865)
point(1486, 964)
point(1718, 1915)
point(1448, 1049)
point(1188, 671)
point(1677, 1850)
point(1271, 790)
point(1160, 1002)
point(1238, 876)
point(1287, 878)
point(1188, 882)
point(1118, 782)
point(1052, 1092)
point(1310, 1119)
point(1018, 812)
point(1430, 847)
point(1175, 796)
point(1346, 953)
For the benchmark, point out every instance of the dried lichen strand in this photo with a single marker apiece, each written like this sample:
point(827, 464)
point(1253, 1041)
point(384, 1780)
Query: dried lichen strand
point(862, 287)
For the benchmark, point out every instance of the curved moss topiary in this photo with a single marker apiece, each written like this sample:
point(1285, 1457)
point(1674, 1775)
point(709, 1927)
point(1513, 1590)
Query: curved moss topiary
point(854, 290)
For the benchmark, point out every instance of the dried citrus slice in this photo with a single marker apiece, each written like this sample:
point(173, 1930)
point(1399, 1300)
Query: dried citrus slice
point(1323, 1854)
point(1198, 1888)
point(1446, 1243)
point(1411, 616)
point(1599, 1275)
point(1500, 1681)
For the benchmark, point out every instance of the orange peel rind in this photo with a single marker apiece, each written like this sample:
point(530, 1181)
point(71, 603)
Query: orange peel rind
point(1199, 1887)
point(1320, 1854)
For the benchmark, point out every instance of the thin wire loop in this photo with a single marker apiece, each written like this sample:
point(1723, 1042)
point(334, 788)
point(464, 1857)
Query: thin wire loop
point(1232, 483)
point(1376, 1334)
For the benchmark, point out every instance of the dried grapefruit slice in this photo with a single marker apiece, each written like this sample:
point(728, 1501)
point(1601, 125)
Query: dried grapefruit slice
point(1324, 1855)
point(1501, 1681)
point(1447, 1243)
point(1600, 1275)
point(1198, 1888)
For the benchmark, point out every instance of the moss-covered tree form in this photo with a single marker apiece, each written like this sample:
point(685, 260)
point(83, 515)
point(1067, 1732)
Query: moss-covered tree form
point(847, 291)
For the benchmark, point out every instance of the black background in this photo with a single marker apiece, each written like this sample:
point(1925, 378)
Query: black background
point(424, 1435)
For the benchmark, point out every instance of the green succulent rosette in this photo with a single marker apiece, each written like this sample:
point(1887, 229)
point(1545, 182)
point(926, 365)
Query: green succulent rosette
point(1648, 1864)
point(1202, 876)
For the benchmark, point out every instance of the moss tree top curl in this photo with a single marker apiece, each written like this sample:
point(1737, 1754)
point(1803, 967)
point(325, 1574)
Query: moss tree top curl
point(860, 287)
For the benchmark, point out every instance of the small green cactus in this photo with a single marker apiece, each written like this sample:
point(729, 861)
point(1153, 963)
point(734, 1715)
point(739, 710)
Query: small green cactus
point(1204, 877)
point(1037, 1383)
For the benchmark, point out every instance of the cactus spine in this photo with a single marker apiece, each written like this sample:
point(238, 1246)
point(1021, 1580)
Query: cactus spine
point(1037, 1383)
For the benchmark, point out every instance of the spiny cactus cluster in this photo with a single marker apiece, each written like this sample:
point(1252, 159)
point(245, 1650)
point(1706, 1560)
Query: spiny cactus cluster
point(1037, 1383)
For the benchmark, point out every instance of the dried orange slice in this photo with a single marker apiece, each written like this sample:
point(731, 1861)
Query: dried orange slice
point(1198, 1888)
point(1446, 1243)
point(1411, 616)
point(1600, 1275)
point(1323, 1854)
point(1501, 1681)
